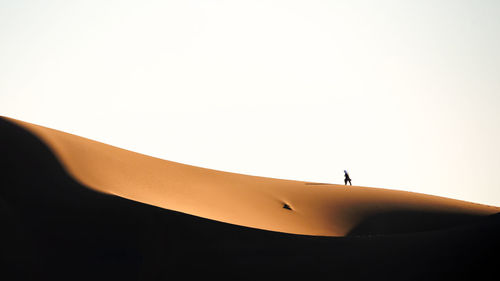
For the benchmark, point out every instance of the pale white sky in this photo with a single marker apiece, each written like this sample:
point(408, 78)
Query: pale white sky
point(403, 94)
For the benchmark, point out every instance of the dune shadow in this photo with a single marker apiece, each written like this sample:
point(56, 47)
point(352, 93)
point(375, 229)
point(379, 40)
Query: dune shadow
point(410, 221)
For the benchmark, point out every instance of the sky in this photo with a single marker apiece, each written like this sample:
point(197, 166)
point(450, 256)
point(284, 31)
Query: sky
point(403, 94)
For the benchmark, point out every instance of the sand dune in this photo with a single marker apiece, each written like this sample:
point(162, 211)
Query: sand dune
point(251, 201)
point(54, 227)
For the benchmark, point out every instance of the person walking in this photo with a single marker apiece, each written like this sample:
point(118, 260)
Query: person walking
point(347, 178)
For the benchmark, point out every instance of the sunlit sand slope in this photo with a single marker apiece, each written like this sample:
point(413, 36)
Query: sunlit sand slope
point(251, 201)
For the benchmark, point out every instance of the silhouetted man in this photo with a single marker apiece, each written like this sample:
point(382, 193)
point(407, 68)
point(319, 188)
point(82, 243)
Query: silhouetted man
point(347, 178)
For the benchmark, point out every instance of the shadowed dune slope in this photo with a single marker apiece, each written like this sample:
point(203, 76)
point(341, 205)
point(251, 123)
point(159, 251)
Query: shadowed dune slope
point(264, 203)
point(54, 228)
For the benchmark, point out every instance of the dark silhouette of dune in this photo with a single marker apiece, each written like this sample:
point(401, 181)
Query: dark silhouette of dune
point(398, 222)
point(54, 228)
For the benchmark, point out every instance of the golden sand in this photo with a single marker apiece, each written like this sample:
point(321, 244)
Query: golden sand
point(315, 209)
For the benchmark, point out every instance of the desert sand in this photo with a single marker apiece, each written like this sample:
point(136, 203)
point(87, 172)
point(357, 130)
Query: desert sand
point(62, 216)
point(317, 209)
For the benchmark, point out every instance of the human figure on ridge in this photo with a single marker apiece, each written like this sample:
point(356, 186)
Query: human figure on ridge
point(347, 178)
